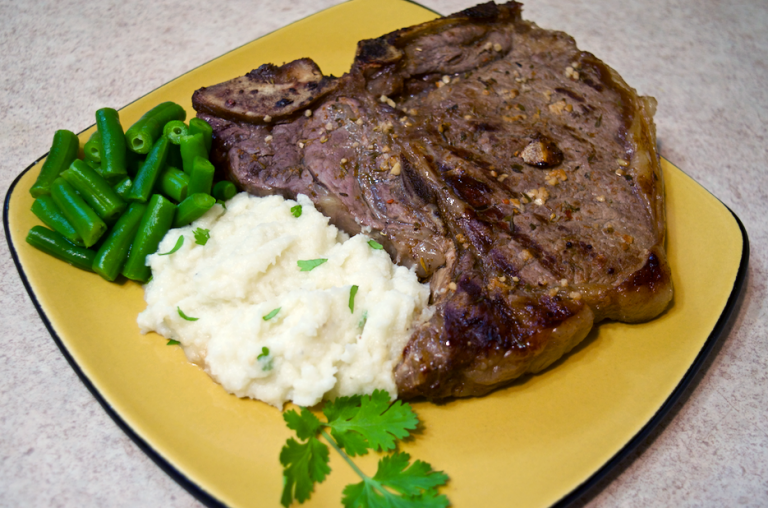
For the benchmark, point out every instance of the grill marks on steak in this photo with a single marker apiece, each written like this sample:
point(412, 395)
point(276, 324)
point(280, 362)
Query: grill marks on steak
point(515, 173)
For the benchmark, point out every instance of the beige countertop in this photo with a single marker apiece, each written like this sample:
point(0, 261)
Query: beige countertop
point(707, 64)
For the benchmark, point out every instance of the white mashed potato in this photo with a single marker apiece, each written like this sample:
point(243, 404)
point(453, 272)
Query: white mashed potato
point(314, 347)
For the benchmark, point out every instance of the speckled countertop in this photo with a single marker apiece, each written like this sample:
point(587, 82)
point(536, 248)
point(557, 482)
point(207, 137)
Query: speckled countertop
point(707, 64)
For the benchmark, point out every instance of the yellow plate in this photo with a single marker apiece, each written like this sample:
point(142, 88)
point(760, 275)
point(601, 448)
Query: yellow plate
point(542, 440)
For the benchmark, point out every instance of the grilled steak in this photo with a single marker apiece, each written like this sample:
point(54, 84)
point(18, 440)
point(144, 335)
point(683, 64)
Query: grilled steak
point(514, 172)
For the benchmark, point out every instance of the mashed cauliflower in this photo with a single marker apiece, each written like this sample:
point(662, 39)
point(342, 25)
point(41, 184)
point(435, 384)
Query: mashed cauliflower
point(314, 346)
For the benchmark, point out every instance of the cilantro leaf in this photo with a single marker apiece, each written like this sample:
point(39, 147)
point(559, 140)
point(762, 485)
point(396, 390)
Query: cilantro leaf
point(346, 408)
point(375, 424)
point(296, 211)
point(307, 265)
point(359, 495)
point(352, 293)
point(272, 314)
point(375, 245)
point(305, 424)
point(417, 485)
point(184, 316)
point(172, 342)
point(412, 481)
point(201, 236)
point(304, 464)
point(176, 247)
point(342, 408)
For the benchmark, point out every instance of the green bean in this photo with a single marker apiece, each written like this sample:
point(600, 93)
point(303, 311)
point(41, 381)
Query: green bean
point(192, 209)
point(113, 161)
point(56, 245)
point(174, 156)
point(145, 179)
point(224, 190)
point(114, 251)
point(198, 125)
point(82, 217)
point(142, 135)
point(173, 183)
point(94, 190)
point(92, 148)
point(192, 146)
point(46, 210)
point(154, 224)
point(134, 162)
point(201, 179)
point(174, 129)
point(111, 180)
point(63, 151)
point(123, 186)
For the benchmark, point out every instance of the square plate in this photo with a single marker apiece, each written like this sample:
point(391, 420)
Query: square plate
point(545, 439)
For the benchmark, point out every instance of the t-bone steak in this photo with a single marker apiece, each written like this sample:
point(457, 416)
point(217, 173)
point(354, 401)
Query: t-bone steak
point(517, 174)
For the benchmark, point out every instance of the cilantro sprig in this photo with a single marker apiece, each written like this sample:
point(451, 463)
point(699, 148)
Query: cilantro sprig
point(358, 424)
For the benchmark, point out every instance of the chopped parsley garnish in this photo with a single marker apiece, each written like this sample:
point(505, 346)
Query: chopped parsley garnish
point(184, 316)
point(363, 320)
point(176, 247)
point(264, 357)
point(202, 236)
point(358, 424)
point(172, 342)
point(296, 211)
point(352, 293)
point(375, 245)
point(270, 316)
point(307, 265)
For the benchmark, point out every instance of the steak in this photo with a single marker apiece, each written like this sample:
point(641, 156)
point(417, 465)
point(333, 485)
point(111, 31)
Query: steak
point(515, 173)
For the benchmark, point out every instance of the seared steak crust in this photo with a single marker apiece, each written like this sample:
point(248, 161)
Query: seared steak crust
point(515, 173)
